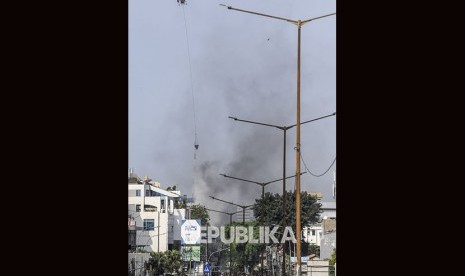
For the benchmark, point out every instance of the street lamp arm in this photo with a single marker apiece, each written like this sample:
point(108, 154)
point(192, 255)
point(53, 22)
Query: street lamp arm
point(258, 183)
point(280, 127)
point(227, 201)
point(217, 211)
point(216, 252)
point(313, 120)
point(315, 18)
point(261, 14)
point(252, 122)
point(266, 183)
point(223, 212)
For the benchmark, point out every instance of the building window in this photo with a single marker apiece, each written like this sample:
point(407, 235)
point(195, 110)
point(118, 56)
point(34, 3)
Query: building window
point(137, 192)
point(150, 208)
point(137, 207)
point(149, 224)
point(313, 232)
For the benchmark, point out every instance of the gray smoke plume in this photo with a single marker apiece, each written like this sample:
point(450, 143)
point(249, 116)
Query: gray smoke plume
point(236, 71)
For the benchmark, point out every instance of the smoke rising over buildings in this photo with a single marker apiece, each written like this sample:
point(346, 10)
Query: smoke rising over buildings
point(236, 71)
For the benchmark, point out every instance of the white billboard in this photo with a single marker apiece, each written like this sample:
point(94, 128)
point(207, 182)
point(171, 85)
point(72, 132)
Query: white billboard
point(190, 232)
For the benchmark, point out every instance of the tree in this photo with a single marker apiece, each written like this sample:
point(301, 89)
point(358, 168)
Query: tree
point(157, 262)
point(238, 250)
point(332, 261)
point(133, 180)
point(172, 262)
point(168, 262)
point(313, 249)
point(180, 203)
point(200, 212)
point(272, 209)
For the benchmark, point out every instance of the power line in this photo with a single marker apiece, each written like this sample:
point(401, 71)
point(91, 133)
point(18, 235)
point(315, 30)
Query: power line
point(192, 85)
point(316, 175)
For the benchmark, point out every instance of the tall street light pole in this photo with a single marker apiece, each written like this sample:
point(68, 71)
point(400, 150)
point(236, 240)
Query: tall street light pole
point(230, 222)
point(284, 129)
point(242, 206)
point(208, 259)
point(263, 184)
point(299, 23)
point(230, 214)
point(243, 220)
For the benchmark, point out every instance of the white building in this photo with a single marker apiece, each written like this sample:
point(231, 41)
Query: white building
point(328, 243)
point(329, 210)
point(315, 233)
point(157, 221)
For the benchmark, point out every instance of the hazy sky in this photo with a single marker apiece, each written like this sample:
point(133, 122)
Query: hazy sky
point(244, 66)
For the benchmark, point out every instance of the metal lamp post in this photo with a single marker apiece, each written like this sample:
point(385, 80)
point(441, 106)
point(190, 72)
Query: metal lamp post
point(299, 23)
point(263, 184)
point(284, 129)
point(230, 222)
point(243, 218)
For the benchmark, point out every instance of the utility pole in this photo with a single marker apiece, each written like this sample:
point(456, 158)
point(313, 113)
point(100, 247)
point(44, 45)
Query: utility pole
point(158, 232)
point(243, 221)
point(299, 23)
point(297, 155)
point(206, 247)
point(230, 222)
point(263, 184)
point(284, 129)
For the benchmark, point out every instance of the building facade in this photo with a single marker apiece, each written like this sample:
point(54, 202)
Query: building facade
point(154, 216)
point(328, 243)
point(314, 234)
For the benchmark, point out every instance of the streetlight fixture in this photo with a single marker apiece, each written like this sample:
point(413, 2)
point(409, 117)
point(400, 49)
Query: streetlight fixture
point(230, 214)
point(230, 222)
point(284, 129)
point(242, 206)
point(208, 259)
point(299, 23)
point(263, 184)
point(243, 218)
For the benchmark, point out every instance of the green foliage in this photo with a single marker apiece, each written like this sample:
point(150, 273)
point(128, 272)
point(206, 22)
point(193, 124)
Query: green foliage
point(157, 262)
point(313, 249)
point(200, 212)
point(133, 180)
point(241, 253)
point(180, 203)
point(168, 262)
point(172, 262)
point(332, 261)
point(273, 210)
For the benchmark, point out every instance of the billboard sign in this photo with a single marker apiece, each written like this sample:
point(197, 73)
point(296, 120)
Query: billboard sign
point(191, 253)
point(190, 232)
